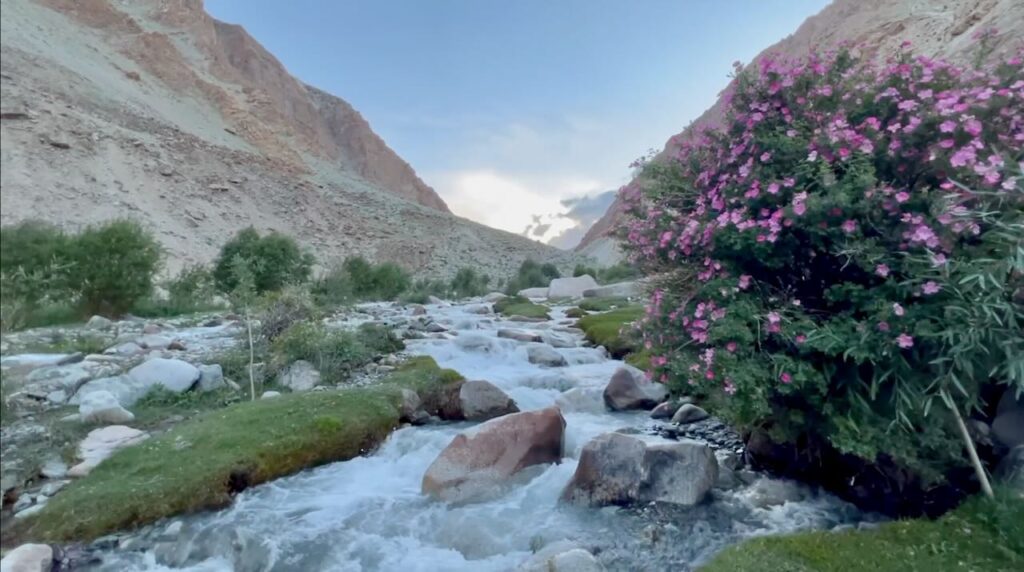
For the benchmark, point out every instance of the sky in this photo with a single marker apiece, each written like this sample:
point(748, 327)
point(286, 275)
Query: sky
point(523, 115)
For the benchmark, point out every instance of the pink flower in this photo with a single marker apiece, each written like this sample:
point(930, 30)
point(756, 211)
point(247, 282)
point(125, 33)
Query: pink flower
point(931, 287)
point(898, 310)
point(800, 338)
point(765, 157)
point(799, 208)
point(947, 126)
point(849, 226)
point(773, 189)
point(728, 387)
point(905, 341)
point(883, 326)
point(882, 270)
point(744, 281)
point(786, 378)
point(902, 197)
point(938, 260)
point(731, 346)
point(973, 126)
point(773, 317)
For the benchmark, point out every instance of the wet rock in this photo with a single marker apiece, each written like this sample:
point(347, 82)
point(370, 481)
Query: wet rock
point(768, 492)
point(126, 349)
point(665, 410)
point(559, 558)
point(28, 558)
point(481, 309)
point(629, 389)
point(545, 355)
point(103, 407)
point(299, 376)
point(571, 287)
point(534, 293)
point(100, 444)
point(409, 406)
point(270, 394)
point(482, 400)
point(211, 377)
point(151, 329)
point(1008, 425)
point(618, 290)
point(519, 335)
point(557, 340)
point(54, 468)
point(618, 469)
point(689, 413)
point(418, 310)
point(581, 399)
point(98, 323)
point(477, 463)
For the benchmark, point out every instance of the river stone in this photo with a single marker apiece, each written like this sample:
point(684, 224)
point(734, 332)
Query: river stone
point(689, 413)
point(481, 309)
point(617, 290)
point(562, 556)
point(211, 377)
point(98, 323)
point(154, 342)
point(127, 349)
point(103, 407)
point(494, 297)
point(630, 389)
point(101, 443)
point(665, 410)
point(534, 293)
point(409, 405)
point(475, 464)
point(519, 335)
point(270, 394)
point(557, 340)
point(618, 469)
point(299, 376)
point(581, 399)
point(173, 374)
point(482, 400)
point(418, 310)
point(545, 355)
point(474, 342)
point(571, 287)
point(28, 558)
point(54, 468)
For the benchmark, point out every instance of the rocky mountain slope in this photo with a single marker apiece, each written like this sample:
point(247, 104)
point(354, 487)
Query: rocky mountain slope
point(154, 110)
point(936, 28)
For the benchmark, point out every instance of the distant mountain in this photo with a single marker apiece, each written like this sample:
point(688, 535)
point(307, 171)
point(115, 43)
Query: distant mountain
point(156, 111)
point(938, 28)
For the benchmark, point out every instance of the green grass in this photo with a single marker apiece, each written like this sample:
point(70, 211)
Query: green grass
point(605, 329)
point(202, 462)
point(520, 306)
point(575, 313)
point(603, 304)
point(981, 535)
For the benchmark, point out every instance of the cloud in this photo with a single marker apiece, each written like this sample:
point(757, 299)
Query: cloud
point(583, 211)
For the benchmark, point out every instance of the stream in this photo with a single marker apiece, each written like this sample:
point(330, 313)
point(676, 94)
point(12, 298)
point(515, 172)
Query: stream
point(368, 513)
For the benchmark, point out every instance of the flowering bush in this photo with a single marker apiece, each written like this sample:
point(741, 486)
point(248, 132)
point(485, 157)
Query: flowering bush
point(847, 247)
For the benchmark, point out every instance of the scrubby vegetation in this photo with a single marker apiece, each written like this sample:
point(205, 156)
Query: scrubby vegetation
point(620, 272)
point(852, 235)
point(202, 463)
point(520, 306)
point(613, 330)
point(603, 304)
point(275, 260)
point(531, 274)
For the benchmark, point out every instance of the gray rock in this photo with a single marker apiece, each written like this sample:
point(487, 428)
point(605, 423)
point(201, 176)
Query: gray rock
point(434, 300)
point(689, 413)
point(572, 287)
point(270, 395)
point(561, 556)
point(100, 444)
point(545, 355)
point(665, 410)
point(519, 335)
point(103, 407)
point(534, 293)
point(494, 297)
point(1008, 426)
point(618, 290)
point(581, 399)
point(482, 400)
point(173, 374)
point(154, 342)
point(211, 377)
point(53, 487)
point(54, 468)
point(299, 376)
point(127, 349)
point(618, 469)
point(30, 511)
point(630, 389)
point(410, 405)
point(98, 323)
point(1010, 470)
point(28, 558)
point(557, 340)
point(58, 397)
point(481, 309)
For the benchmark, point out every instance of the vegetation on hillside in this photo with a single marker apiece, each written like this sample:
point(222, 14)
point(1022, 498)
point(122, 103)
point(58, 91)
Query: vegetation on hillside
point(520, 306)
point(531, 274)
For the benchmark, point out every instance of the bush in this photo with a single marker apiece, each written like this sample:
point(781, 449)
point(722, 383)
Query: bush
point(34, 259)
point(531, 274)
point(280, 311)
point(113, 266)
point(275, 260)
point(467, 283)
point(423, 289)
point(334, 353)
point(854, 233)
point(620, 272)
point(334, 288)
point(356, 279)
point(380, 339)
point(582, 270)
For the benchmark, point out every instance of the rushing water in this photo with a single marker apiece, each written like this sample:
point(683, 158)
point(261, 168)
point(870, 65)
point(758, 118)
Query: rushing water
point(368, 513)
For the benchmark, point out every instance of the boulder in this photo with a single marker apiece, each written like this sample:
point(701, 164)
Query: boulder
point(211, 377)
point(545, 355)
point(126, 349)
point(571, 287)
point(98, 323)
point(482, 400)
point(534, 293)
point(617, 290)
point(581, 399)
point(519, 335)
point(151, 329)
point(409, 405)
point(299, 376)
point(474, 342)
point(665, 410)
point(103, 407)
point(494, 297)
point(630, 389)
point(562, 556)
point(618, 469)
point(270, 394)
point(481, 309)
point(1008, 425)
point(434, 300)
point(418, 310)
point(173, 374)
point(557, 340)
point(477, 463)
point(154, 342)
point(101, 443)
point(28, 558)
point(689, 413)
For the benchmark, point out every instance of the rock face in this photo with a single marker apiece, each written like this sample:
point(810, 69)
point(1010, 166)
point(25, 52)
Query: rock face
point(629, 389)
point(28, 558)
point(482, 400)
point(299, 376)
point(617, 469)
point(571, 287)
point(100, 444)
point(474, 465)
point(191, 125)
point(103, 407)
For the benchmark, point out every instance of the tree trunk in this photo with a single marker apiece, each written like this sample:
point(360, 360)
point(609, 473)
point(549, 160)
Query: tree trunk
point(252, 357)
point(986, 487)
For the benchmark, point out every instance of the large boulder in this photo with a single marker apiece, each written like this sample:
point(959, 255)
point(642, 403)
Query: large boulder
point(618, 290)
point(519, 335)
point(154, 342)
point(211, 377)
point(482, 400)
point(173, 374)
point(689, 413)
point(29, 557)
point(534, 293)
point(98, 323)
point(545, 355)
point(476, 464)
point(581, 399)
point(557, 340)
point(630, 389)
point(561, 556)
point(100, 444)
point(103, 407)
point(571, 287)
point(299, 376)
point(618, 469)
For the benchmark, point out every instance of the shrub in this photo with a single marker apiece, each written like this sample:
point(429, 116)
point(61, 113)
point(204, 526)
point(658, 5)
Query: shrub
point(854, 233)
point(532, 274)
point(334, 353)
point(34, 259)
point(467, 283)
point(275, 260)
point(617, 273)
point(113, 266)
point(192, 290)
point(280, 311)
point(380, 339)
point(582, 269)
point(423, 289)
point(334, 288)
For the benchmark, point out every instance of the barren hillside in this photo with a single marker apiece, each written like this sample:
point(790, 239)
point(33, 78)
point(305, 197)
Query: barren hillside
point(153, 110)
point(937, 28)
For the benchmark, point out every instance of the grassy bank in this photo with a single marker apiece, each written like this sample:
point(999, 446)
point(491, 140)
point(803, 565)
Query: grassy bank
point(520, 306)
point(980, 535)
point(202, 462)
point(605, 329)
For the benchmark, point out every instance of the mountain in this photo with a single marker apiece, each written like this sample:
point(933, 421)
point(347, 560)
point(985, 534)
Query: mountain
point(935, 28)
point(155, 111)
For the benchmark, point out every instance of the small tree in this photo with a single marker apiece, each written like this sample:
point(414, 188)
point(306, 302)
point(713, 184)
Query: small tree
point(242, 297)
point(276, 261)
point(113, 266)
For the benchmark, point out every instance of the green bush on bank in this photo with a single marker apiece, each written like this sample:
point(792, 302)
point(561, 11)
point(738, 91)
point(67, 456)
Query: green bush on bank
point(275, 260)
point(531, 274)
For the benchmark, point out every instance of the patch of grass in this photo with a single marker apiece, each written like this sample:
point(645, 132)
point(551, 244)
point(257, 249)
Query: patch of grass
point(520, 306)
point(201, 463)
point(981, 534)
point(606, 329)
point(576, 313)
point(603, 304)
